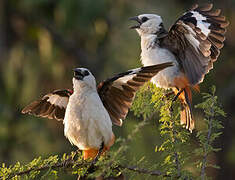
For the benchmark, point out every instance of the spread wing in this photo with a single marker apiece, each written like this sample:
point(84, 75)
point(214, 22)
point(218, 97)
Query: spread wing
point(117, 93)
point(52, 105)
point(196, 38)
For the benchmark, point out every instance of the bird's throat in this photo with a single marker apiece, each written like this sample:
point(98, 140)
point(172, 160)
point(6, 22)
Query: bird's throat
point(148, 41)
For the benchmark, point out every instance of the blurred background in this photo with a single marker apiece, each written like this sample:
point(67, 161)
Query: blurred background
point(42, 41)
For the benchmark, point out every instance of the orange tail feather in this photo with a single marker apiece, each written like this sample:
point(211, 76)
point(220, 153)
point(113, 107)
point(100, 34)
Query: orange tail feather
point(186, 116)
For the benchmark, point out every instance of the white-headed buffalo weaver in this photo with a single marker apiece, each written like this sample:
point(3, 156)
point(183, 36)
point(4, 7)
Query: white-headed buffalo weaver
point(192, 44)
point(89, 111)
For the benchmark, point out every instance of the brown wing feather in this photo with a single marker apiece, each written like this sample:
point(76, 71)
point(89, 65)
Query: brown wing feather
point(196, 38)
point(52, 105)
point(117, 93)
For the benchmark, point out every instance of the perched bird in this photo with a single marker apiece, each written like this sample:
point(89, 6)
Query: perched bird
point(89, 111)
point(192, 44)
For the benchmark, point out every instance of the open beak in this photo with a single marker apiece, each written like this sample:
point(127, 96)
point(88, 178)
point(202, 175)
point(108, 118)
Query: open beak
point(137, 20)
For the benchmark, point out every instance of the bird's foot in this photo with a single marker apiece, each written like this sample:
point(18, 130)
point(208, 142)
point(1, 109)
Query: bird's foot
point(98, 154)
point(69, 158)
point(177, 95)
point(171, 108)
point(167, 95)
point(91, 168)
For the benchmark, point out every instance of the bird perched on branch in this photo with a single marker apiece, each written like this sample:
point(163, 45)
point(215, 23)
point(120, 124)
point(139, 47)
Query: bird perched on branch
point(192, 44)
point(89, 111)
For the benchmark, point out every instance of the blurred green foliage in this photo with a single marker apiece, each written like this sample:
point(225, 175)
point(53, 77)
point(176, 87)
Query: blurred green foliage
point(42, 41)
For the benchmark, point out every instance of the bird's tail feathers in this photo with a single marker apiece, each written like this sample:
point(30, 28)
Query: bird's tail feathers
point(186, 117)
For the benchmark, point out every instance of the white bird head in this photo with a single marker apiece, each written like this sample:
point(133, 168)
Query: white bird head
point(148, 24)
point(83, 78)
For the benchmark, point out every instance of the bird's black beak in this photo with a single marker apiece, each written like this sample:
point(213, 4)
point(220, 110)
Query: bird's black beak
point(78, 74)
point(137, 20)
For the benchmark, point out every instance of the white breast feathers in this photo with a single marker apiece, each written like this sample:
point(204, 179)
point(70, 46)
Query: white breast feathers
point(153, 54)
point(87, 123)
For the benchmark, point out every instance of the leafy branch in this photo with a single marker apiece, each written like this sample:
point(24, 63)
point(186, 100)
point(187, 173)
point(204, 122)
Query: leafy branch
point(174, 149)
point(207, 136)
point(176, 141)
point(177, 162)
point(108, 165)
point(68, 162)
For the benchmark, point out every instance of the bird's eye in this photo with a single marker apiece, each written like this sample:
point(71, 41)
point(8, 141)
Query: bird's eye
point(86, 73)
point(144, 19)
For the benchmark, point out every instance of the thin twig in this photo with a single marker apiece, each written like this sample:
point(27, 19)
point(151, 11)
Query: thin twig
point(143, 171)
point(176, 155)
point(71, 163)
point(45, 167)
point(177, 162)
point(207, 143)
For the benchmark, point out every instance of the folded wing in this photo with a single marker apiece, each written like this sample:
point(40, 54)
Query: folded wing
point(196, 38)
point(117, 93)
point(52, 105)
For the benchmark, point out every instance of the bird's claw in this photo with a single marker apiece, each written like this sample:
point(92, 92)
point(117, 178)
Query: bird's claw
point(70, 158)
point(94, 161)
point(167, 95)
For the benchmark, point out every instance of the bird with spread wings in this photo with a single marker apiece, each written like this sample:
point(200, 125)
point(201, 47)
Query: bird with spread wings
point(192, 44)
point(88, 111)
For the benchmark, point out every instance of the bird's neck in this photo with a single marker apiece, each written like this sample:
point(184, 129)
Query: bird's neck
point(148, 41)
point(81, 88)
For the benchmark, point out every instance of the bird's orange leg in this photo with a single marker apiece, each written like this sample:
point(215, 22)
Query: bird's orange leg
point(177, 95)
point(90, 153)
point(93, 152)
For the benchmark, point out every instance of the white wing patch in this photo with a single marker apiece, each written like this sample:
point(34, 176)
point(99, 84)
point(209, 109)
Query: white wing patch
point(123, 80)
point(118, 84)
point(198, 16)
point(204, 26)
point(134, 71)
point(58, 100)
point(191, 37)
